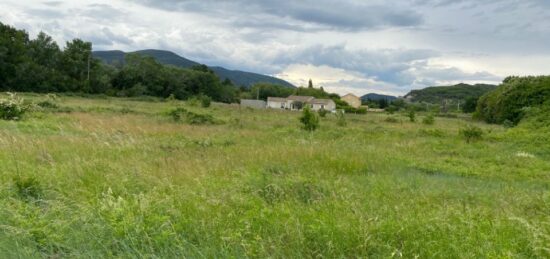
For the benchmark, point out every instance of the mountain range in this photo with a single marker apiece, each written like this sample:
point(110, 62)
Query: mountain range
point(239, 78)
point(377, 97)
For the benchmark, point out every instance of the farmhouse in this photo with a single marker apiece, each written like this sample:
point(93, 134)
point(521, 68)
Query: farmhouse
point(352, 100)
point(296, 103)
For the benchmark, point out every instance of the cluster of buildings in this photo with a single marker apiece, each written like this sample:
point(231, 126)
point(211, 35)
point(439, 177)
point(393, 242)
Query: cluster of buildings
point(296, 103)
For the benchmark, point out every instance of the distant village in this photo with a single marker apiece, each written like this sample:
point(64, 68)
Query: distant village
point(297, 103)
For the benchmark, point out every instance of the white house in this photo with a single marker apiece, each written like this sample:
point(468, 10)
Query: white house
point(326, 104)
point(296, 103)
point(276, 103)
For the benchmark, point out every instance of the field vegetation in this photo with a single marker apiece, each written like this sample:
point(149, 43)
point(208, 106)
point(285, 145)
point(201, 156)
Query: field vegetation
point(148, 177)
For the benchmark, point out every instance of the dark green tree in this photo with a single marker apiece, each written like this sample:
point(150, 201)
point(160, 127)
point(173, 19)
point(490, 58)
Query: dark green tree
point(13, 50)
point(77, 64)
point(470, 105)
point(309, 119)
point(40, 73)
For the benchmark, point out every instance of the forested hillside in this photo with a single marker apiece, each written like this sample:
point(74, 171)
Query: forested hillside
point(377, 97)
point(459, 92)
point(239, 78)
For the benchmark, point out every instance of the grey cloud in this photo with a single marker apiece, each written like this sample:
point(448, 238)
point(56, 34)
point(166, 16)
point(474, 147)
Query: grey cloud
point(400, 68)
point(388, 65)
point(46, 13)
point(331, 15)
point(102, 13)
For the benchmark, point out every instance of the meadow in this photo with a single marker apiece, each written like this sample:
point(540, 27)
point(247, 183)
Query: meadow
point(106, 177)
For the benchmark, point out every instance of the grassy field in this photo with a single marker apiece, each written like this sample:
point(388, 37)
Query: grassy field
point(119, 178)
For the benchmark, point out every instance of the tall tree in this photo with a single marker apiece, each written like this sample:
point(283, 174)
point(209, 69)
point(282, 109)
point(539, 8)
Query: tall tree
point(310, 84)
point(13, 49)
point(40, 72)
point(76, 62)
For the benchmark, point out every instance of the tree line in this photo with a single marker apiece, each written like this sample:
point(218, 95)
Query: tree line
point(40, 65)
point(514, 99)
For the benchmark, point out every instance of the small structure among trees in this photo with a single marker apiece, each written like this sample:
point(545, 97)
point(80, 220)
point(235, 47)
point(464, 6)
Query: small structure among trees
point(296, 103)
point(353, 100)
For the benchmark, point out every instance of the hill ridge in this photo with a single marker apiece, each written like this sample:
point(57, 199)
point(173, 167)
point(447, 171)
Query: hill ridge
point(238, 77)
point(459, 92)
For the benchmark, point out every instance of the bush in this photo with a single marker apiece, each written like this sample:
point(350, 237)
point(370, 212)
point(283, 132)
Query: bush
point(202, 100)
point(471, 133)
point(322, 113)
point(205, 101)
point(28, 188)
point(412, 116)
point(509, 100)
point(181, 114)
point(309, 119)
point(428, 120)
point(391, 109)
point(360, 110)
point(341, 118)
point(12, 108)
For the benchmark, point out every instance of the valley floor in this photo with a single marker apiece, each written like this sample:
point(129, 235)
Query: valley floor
point(106, 177)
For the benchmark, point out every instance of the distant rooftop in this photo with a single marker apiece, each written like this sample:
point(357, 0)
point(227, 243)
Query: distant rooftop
point(298, 98)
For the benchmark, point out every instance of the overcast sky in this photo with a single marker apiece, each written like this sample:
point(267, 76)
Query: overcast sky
point(357, 46)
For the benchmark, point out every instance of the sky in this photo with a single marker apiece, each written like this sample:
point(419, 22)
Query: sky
point(346, 46)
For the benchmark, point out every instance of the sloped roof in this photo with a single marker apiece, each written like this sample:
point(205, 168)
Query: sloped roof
point(298, 98)
point(276, 99)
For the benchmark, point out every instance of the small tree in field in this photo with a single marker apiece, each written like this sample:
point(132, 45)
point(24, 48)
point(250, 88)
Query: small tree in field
point(309, 119)
point(429, 120)
point(412, 116)
point(471, 133)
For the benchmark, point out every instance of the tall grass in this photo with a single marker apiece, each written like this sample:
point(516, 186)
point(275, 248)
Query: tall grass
point(97, 182)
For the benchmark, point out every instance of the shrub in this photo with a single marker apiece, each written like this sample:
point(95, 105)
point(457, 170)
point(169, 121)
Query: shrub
point(322, 113)
point(391, 109)
point(341, 118)
point(361, 110)
point(181, 114)
point(193, 101)
point(12, 108)
point(412, 116)
point(28, 188)
point(205, 101)
point(177, 114)
point(509, 100)
point(200, 100)
point(471, 133)
point(309, 119)
point(200, 119)
point(428, 120)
